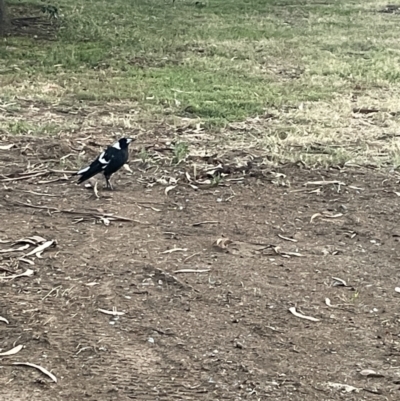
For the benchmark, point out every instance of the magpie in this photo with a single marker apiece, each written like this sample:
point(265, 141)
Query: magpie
point(108, 162)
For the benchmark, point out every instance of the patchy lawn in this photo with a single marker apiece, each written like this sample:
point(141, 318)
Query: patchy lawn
point(263, 178)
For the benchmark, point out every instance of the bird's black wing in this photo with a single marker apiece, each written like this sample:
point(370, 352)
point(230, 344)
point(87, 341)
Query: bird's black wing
point(97, 166)
point(118, 159)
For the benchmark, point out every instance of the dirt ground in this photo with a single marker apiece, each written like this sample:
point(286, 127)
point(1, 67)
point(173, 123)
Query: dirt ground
point(262, 243)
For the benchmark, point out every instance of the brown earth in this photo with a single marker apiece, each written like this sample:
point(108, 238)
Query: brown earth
point(222, 334)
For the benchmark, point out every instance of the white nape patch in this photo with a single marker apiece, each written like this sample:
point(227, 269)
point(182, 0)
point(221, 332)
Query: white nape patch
point(102, 160)
point(117, 145)
point(83, 170)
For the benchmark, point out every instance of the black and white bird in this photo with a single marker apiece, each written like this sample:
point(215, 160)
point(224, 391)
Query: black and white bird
point(108, 162)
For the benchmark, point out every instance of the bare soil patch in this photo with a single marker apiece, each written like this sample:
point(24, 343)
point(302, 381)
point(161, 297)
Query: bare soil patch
point(261, 245)
point(32, 21)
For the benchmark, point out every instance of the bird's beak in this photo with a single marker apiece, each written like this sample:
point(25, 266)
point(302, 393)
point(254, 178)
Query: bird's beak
point(129, 140)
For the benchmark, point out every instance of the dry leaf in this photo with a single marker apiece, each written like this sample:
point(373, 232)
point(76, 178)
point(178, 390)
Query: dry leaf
point(338, 282)
point(345, 387)
point(169, 188)
point(40, 248)
point(188, 176)
point(332, 216)
point(43, 370)
point(370, 373)
point(30, 262)
point(12, 351)
point(104, 220)
point(6, 147)
point(293, 311)
point(26, 273)
point(21, 248)
point(314, 216)
point(35, 240)
point(328, 302)
point(325, 214)
point(127, 168)
point(222, 243)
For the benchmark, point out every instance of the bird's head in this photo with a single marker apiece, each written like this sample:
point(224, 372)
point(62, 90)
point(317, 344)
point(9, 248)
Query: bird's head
point(123, 143)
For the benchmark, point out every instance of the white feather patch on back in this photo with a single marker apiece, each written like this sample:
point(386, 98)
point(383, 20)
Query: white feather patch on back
point(102, 160)
point(117, 145)
point(83, 170)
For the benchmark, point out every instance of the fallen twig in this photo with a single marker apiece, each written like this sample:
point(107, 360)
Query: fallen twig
point(286, 253)
point(96, 192)
point(62, 171)
point(149, 203)
point(36, 193)
point(175, 250)
point(25, 177)
point(51, 291)
point(43, 370)
point(205, 222)
point(32, 174)
point(326, 214)
point(97, 215)
point(190, 257)
point(53, 180)
point(191, 271)
point(325, 183)
point(113, 312)
point(287, 239)
point(17, 203)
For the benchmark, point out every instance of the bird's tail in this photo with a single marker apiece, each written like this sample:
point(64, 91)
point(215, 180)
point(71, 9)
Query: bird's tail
point(89, 172)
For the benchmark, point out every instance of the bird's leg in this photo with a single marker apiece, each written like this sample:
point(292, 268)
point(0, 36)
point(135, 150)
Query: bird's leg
point(108, 183)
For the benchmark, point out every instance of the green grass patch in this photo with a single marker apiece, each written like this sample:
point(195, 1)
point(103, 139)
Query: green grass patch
point(218, 62)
